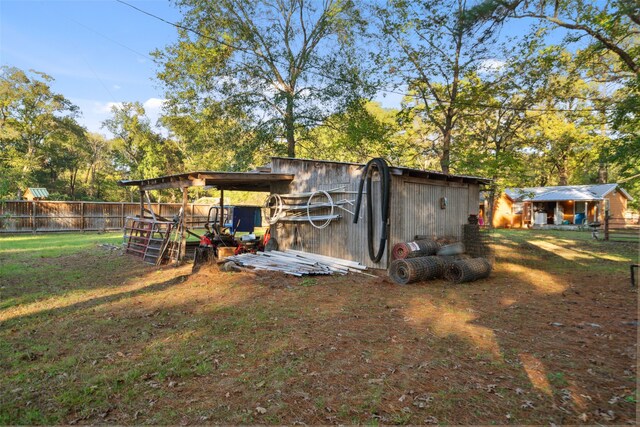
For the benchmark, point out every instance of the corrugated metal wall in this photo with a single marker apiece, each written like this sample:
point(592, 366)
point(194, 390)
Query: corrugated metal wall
point(342, 238)
point(415, 209)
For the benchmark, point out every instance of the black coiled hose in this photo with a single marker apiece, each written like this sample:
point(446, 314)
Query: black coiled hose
point(385, 183)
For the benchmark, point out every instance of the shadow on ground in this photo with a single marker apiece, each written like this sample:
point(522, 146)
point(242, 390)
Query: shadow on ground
point(546, 339)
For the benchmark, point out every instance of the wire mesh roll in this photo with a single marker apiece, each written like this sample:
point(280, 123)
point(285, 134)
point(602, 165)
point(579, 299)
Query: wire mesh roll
point(417, 248)
point(477, 241)
point(403, 271)
point(449, 259)
point(468, 270)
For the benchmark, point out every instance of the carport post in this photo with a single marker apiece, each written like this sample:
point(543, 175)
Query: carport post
point(183, 220)
point(141, 203)
point(221, 221)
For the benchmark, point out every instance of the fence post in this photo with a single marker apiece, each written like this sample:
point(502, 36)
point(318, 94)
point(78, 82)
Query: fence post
point(82, 216)
point(606, 225)
point(33, 216)
point(122, 214)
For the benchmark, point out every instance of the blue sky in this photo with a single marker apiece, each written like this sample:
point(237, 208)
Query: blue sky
point(96, 50)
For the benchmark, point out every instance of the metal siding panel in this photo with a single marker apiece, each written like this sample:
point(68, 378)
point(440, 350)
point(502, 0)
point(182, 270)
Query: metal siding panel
point(342, 238)
point(415, 209)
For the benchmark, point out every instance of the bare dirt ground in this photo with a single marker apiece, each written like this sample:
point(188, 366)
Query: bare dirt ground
point(550, 337)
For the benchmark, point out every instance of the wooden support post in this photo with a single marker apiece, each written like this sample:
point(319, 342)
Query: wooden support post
point(141, 204)
point(183, 220)
point(221, 222)
point(606, 225)
point(122, 214)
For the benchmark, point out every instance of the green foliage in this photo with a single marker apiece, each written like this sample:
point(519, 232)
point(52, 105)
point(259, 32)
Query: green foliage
point(363, 131)
point(138, 151)
point(427, 48)
point(42, 144)
point(608, 66)
point(37, 130)
point(610, 26)
point(256, 79)
point(265, 71)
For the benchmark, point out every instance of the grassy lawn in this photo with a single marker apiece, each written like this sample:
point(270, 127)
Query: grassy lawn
point(90, 336)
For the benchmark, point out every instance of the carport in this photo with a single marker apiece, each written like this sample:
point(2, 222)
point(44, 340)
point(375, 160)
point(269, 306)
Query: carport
point(239, 181)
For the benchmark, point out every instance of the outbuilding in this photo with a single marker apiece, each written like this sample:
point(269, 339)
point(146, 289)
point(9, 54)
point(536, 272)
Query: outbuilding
point(425, 203)
point(33, 193)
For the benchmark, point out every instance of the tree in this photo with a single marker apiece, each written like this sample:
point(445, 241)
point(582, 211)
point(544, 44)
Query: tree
point(214, 138)
point(610, 25)
point(567, 129)
point(611, 58)
point(625, 148)
point(282, 63)
point(64, 155)
point(363, 131)
point(32, 117)
point(492, 139)
point(138, 151)
point(99, 167)
point(428, 48)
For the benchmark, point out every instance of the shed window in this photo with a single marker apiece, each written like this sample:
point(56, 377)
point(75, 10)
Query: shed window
point(581, 207)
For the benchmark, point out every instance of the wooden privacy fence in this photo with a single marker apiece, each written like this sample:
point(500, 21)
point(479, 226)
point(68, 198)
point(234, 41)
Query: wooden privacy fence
point(45, 216)
point(622, 229)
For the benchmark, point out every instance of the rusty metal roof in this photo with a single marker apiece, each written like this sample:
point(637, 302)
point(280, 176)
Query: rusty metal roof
point(398, 170)
point(243, 181)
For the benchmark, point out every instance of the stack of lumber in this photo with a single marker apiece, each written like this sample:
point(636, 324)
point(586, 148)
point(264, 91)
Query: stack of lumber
point(297, 263)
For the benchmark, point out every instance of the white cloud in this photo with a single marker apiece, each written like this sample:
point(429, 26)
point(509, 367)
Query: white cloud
point(153, 104)
point(101, 107)
point(493, 64)
point(117, 87)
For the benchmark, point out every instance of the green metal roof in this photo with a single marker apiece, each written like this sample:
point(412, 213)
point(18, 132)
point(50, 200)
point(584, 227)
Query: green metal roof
point(38, 192)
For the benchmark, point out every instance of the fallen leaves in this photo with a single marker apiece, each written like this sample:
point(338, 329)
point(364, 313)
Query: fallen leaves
point(527, 404)
point(608, 415)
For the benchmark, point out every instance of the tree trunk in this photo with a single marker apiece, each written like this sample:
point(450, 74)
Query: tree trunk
point(603, 174)
point(563, 174)
point(30, 154)
point(289, 128)
point(491, 206)
point(445, 159)
point(92, 187)
point(72, 183)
